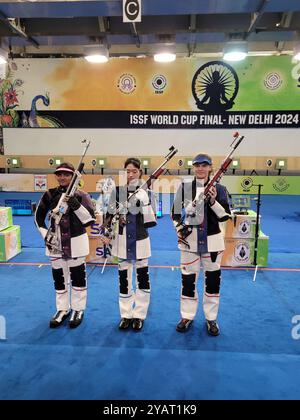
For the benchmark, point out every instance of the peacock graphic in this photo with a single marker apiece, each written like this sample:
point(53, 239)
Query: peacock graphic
point(36, 120)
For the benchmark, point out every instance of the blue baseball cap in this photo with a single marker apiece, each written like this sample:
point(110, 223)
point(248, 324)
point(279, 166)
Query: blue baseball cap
point(202, 159)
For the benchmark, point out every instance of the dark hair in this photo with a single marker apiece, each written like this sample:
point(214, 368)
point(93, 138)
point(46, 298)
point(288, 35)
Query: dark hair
point(133, 161)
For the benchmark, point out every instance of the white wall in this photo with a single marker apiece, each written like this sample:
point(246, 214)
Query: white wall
point(124, 142)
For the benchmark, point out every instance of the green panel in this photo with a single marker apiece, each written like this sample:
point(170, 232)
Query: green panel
point(277, 185)
point(6, 219)
point(258, 92)
point(2, 248)
point(10, 243)
point(263, 252)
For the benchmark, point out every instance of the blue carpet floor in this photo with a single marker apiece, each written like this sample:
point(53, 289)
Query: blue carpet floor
point(255, 357)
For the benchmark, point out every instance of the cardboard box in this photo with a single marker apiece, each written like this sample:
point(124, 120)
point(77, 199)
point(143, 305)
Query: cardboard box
point(10, 242)
point(99, 252)
point(241, 226)
point(239, 252)
point(6, 219)
point(94, 230)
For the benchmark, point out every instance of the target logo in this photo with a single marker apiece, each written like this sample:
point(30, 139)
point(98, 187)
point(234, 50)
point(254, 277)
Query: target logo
point(244, 228)
point(159, 83)
point(281, 185)
point(246, 184)
point(242, 253)
point(131, 11)
point(273, 81)
point(127, 83)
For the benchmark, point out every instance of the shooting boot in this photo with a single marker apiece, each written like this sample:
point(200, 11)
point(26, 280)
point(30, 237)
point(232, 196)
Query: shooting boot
point(212, 328)
point(76, 319)
point(184, 325)
point(58, 318)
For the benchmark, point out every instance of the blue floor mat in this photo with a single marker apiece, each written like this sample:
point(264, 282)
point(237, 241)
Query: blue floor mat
point(255, 357)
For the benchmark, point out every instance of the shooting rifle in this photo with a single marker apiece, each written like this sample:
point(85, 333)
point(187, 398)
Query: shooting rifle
point(51, 238)
point(186, 230)
point(225, 164)
point(110, 221)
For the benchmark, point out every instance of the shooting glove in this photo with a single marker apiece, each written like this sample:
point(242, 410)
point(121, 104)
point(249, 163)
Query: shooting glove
point(73, 203)
point(142, 198)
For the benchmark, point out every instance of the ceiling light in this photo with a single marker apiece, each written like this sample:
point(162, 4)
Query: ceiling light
point(234, 56)
point(165, 52)
point(164, 57)
point(97, 54)
point(96, 58)
point(235, 51)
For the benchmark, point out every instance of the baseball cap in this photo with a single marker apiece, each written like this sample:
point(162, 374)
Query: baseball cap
point(202, 159)
point(65, 167)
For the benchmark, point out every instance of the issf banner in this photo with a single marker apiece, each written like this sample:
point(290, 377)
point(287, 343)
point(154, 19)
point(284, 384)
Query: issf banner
point(139, 93)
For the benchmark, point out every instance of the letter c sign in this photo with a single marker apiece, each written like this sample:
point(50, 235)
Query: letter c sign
point(132, 11)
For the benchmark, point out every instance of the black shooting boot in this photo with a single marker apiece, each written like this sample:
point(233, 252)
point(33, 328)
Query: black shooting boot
point(58, 318)
point(76, 318)
point(184, 325)
point(125, 323)
point(212, 328)
point(137, 324)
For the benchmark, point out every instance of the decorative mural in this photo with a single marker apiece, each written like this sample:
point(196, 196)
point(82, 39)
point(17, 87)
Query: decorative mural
point(9, 92)
point(34, 119)
point(11, 89)
point(259, 92)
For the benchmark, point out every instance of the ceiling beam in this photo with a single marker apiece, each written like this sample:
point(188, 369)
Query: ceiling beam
point(16, 29)
point(192, 28)
point(101, 24)
point(256, 17)
point(135, 34)
point(285, 22)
